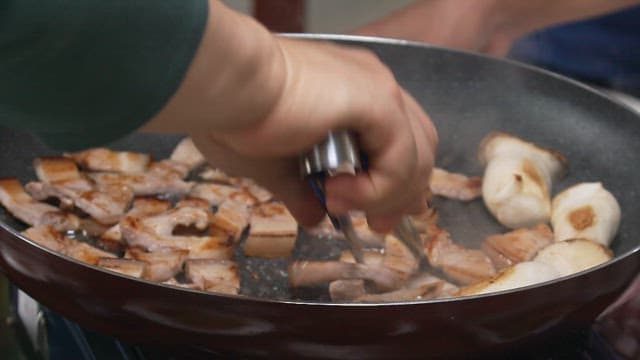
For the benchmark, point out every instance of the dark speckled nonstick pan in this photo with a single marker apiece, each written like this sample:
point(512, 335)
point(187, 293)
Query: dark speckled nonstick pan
point(467, 96)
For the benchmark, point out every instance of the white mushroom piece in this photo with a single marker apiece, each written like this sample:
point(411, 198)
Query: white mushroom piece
point(587, 211)
point(553, 261)
point(517, 179)
point(522, 274)
point(573, 255)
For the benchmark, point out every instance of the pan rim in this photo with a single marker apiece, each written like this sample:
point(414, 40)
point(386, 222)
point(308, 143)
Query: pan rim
point(389, 41)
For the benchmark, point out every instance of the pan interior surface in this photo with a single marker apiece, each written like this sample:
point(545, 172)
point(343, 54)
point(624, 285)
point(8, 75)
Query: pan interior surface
point(467, 96)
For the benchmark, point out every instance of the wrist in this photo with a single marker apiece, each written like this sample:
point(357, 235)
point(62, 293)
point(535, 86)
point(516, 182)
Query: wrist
point(236, 77)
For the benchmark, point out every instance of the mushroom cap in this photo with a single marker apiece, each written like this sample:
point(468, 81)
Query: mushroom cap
point(516, 192)
point(522, 274)
point(498, 144)
point(585, 210)
point(573, 255)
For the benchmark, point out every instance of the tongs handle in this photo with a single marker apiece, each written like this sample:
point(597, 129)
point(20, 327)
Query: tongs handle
point(340, 154)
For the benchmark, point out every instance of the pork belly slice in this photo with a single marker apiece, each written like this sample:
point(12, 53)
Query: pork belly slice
point(193, 202)
point(217, 247)
point(92, 227)
point(355, 291)
point(232, 217)
point(422, 222)
point(273, 232)
point(106, 204)
point(373, 257)
point(422, 292)
point(162, 264)
point(347, 290)
point(156, 232)
point(420, 287)
point(213, 275)
point(461, 264)
point(455, 186)
point(257, 192)
point(187, 153)
point(22, 206)
point(517, 246)
point(398, 257)
point(215, 194)
point(368, 237)
point(215, 175)
point(103, 159)
point(174, 282)
point(169, 168)
point(141, 207)
point(311, 273)
point(444, 288)
point(129, 267)
point(148, 206)
point(145, 184)
point(86, 253)
point(261, 194)
point(47, 236)
point(61, 171)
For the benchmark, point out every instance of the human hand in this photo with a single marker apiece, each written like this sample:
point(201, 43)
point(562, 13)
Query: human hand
point(253, 102)
point(329, 87)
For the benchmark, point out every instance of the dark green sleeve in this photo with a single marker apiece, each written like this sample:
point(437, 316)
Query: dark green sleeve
point(82, 73)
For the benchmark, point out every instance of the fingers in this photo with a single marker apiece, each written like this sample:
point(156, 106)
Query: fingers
point(398, 174)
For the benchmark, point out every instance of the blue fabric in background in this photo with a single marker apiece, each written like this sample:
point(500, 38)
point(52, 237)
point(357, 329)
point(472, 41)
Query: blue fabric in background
point(603, 51)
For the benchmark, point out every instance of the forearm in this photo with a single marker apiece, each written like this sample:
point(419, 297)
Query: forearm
point(517, 18)
point(235, 78)
point(488, 26)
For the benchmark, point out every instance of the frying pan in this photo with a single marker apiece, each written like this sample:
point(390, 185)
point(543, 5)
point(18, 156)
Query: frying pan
point(467, 96)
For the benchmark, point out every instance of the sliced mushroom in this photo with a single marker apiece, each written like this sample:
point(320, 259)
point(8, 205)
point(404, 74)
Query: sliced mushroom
point(522, 274)
point(586, 211)
point(573, 255)
point(517, 180)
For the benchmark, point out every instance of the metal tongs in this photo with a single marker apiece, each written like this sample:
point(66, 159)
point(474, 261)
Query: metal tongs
point(340, 154)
